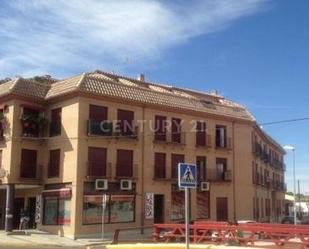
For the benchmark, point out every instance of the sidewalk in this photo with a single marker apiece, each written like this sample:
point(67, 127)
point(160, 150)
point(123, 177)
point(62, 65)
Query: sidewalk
point(35, 238)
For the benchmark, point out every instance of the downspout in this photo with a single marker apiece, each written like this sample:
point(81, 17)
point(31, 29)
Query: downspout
point(234, 183)
point(142, 171)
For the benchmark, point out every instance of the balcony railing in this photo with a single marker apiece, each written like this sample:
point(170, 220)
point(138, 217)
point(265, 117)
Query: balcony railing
point(204, 143)
point(218, 176)
point(31, 173)
point(108, 129)
point(226, 145)
point(126, 171)
point(99, 170)
point(170, 138)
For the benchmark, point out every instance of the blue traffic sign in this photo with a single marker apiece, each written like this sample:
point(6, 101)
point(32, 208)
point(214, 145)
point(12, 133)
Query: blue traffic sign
point(187, 175)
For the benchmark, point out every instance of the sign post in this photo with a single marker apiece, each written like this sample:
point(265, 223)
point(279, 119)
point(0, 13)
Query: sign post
point(104, 200)
point(186, 180)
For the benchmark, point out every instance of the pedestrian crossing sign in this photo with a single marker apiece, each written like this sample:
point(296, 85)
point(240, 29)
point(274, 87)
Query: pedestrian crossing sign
point(186, 175)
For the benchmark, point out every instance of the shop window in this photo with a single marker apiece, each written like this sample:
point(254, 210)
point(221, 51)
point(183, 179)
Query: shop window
point(203, 205)
point(92, 210)
point(57, 211)
point(122, 208)
point(119, 209)
point(178, 205)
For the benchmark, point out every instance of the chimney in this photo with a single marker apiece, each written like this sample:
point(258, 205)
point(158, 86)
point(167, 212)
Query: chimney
point(141, 77)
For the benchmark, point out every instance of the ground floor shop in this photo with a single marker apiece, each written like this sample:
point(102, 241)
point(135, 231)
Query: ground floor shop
point(76, 211)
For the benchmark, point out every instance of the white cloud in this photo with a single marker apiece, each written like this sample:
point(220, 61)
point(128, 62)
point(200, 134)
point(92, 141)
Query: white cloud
point(68, 35)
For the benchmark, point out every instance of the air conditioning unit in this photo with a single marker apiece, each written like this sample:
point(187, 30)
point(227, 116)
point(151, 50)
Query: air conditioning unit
point(205, 186)
point(125, 184)
point(101, 184)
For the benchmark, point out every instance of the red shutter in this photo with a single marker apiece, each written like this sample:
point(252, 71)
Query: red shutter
point(176, 158)
point(97, 158)
point(160, 165)
point(200, 133)
point(54, 163)
point(28, 163)
point(124, 166)
point(160, 128)
point(97, 113)
point(222, 208)
point(125, 119)
point(201, 167)
point(176, 130)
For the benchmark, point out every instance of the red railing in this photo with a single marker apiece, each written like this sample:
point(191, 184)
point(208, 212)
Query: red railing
point(242, 234)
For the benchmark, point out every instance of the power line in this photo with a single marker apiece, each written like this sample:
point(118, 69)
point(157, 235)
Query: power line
point(285, 121)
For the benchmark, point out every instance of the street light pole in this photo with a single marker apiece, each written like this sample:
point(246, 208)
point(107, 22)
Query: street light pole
point(294, 190)
point(292, 148)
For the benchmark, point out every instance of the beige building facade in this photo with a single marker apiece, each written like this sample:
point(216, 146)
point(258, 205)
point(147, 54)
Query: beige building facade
point(66, 144)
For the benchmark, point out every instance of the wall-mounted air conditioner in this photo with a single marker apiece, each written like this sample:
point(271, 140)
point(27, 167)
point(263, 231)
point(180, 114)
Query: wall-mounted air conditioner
point(101, 184)
point(205, 186)
point(125, 184)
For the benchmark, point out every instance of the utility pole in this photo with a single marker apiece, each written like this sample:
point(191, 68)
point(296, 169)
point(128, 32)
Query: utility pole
point(299, 201)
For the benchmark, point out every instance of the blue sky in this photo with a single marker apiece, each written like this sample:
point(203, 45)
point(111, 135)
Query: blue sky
point(254, 52)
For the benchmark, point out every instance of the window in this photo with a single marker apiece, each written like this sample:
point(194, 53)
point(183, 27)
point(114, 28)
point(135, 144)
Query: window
point(56, 211)
point(221, 168)
point(262, 208)
point(176, 130)
point(124, 167)
point(55, 124)
point(54, 163)
point(160, 128)
point(98, 124)
point(119, 209)
point(125, 125)
point(97, 158)
point(28, 167)
point(201, 167)
point(160, 165)
point(0, 159)
point(221, 140)
point(176, 158)
point(200, 133)
point(2, 124)
point(253, 173)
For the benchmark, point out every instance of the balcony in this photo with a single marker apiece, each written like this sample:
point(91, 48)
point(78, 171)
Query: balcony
point(98, 170)
point(278, 164)
point(126, 171)
point(204, 142)
point(218, 176)
point(30, 173)
point(226, 145)
point(108, 129)
point(33, 126)
point(170, 138)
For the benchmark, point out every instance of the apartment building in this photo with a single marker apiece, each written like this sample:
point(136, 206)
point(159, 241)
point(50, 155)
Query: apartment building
point(68, 144)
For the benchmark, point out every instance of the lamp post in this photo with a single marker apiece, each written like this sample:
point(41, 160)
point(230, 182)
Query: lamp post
point(292, 148)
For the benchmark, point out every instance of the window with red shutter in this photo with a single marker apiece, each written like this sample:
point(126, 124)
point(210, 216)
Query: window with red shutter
point(160, 165)
point(200, 133)
point(97, 113)
point(54, 163)
point(125, 122)
point(28, 167)
point(98, 123)
point(124, 167)
point(55, 124)
point(97, 160)
point(160, 128)
point(176, 130)
point(201, 167)
point(176, 158)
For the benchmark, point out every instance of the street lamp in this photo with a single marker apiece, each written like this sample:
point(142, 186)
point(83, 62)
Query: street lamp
point(292, 148)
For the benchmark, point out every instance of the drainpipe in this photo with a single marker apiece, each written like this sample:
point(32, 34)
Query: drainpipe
point(142, 171)
point(234, 183)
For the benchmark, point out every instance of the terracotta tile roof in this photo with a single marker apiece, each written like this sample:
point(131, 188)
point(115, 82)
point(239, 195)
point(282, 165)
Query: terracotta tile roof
point(116, 86)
